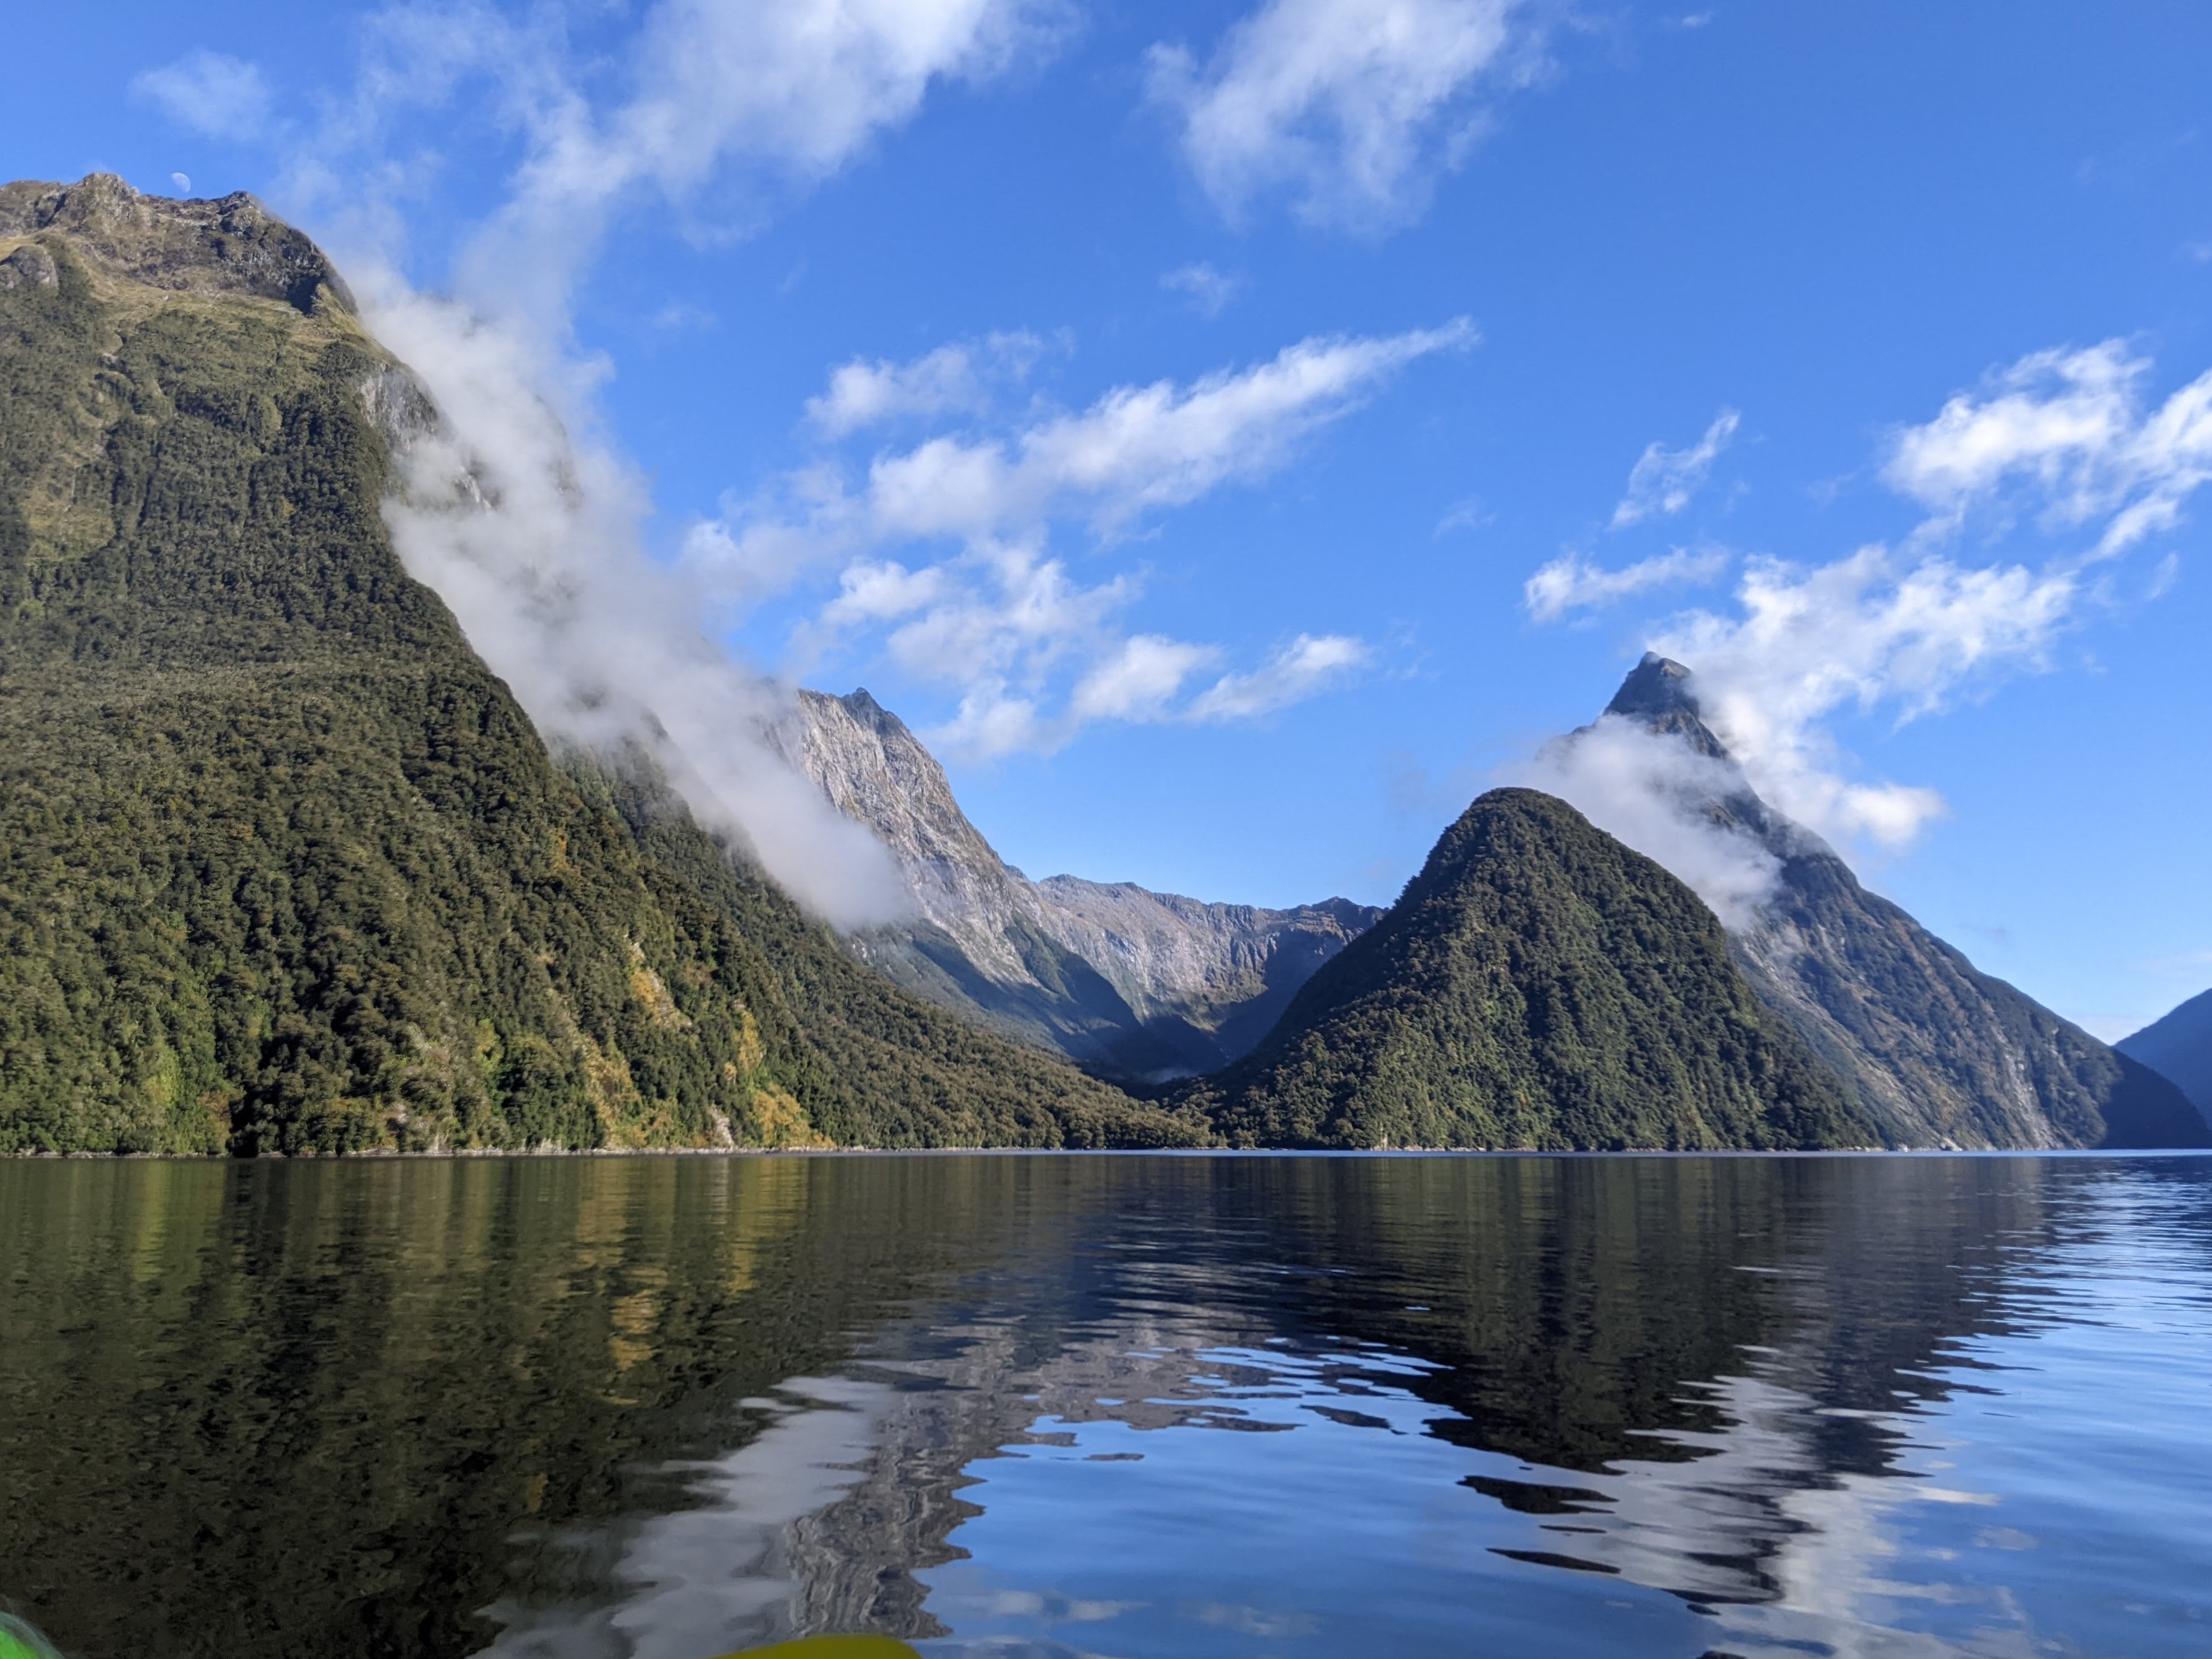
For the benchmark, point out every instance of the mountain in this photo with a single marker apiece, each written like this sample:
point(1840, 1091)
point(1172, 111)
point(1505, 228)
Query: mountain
point(283, 867)
point(2178, 1048)
point(1130, 984)
point(1539, 985)
point(1930, 1050)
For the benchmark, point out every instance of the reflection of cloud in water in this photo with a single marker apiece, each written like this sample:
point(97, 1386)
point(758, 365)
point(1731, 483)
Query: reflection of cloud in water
point(846, 1512)
point(720, 1577)
point(1030, 1488)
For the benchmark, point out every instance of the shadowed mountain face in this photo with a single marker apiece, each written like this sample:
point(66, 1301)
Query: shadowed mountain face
point(284, 867)
point(1538, 985)
point(2178, 1048)
point(1931, 1051)
point(1128, 983)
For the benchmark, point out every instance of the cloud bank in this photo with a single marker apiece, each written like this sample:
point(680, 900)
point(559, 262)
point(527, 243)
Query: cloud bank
point(531, 538)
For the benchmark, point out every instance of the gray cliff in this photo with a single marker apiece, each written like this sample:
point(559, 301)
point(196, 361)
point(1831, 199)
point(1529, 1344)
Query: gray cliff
point(1128, 983)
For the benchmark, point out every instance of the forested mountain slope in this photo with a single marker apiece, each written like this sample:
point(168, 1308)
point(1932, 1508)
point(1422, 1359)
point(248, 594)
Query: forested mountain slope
point(1537, 985)
point(283, 865)
point(1928, 1048)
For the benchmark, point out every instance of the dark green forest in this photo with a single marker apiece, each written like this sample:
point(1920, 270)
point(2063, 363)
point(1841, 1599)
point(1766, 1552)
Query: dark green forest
point(284, 867)
point(1538, 985)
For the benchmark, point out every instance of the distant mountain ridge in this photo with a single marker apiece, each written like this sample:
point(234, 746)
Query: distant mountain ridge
point(1131, 984)
point(1928, 1048)
point(2178, 1048)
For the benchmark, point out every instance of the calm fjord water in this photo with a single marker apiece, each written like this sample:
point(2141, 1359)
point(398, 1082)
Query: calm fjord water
point(1141, 1405)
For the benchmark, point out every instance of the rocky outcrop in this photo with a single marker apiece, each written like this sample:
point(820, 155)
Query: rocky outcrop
point(232, 245)
point(1932, 1051)
point(1129, 983)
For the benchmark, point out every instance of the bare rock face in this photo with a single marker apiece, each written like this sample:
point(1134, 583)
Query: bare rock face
point(229, 245)
point(1932, 1051)
point(1130, 984)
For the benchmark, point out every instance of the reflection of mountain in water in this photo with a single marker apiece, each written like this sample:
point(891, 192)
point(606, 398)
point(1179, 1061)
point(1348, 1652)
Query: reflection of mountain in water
point(565, 1408)
point(1696, 1388)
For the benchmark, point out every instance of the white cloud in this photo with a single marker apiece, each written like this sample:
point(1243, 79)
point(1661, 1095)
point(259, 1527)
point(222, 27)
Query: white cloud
point(1033, 653)
point(531, 538)
point(1307, 665)
point(1570, 582)
point(1005, 626)
point(1663, 480)
point(1210, 290)
point(213, 93)
point(1139, 680)
point(1141, 447)
point(955, 379)
point(1651, 790)
point(520, 515)
point(2071, 428)
point(1352, 105)
point(1864, 632)
point(749, 98)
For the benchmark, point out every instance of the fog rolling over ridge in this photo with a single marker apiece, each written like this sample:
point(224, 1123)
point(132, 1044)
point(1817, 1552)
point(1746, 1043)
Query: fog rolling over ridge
point(1928, 1048)
point(1128, 983)
point(532, 537)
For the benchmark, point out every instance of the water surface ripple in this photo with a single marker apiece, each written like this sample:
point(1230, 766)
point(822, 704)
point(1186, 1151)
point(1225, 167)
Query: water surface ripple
point(1119, 1405)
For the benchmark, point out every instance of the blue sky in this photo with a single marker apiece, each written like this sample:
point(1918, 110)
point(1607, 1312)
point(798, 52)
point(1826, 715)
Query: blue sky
point(1238, 433)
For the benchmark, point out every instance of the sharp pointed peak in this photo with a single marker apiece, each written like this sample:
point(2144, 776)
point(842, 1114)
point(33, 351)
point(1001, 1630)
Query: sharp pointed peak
point(1656, 686)
point(1661, 694)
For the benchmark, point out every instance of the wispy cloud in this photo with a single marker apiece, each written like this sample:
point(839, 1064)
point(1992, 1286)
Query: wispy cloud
point(1570, 582)
point(519, 510)
point(1907, 631)
point(211, 93)
point(957, 378)
point(741, 102)
point(1034, 655)
point(1865, 631)
point(1664, 480)
point(1653, 792)
point(1209, 290)
point(2067, 434)
point(1306, 665)
point(1352, 107)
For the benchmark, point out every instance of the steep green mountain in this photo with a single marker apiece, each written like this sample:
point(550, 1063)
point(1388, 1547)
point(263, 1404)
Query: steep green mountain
point(1928, 1048)
point(283, 865)
point(2178, 1048)
point(1537, 985)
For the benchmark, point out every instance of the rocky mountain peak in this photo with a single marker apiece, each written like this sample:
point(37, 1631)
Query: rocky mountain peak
point(1662, 695)
point(1656, 685)
point(1131, 982)
point(230, 244)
